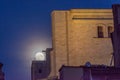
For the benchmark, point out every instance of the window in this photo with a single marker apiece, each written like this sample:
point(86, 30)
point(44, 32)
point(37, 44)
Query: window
point(109, 31)
point(100, 32)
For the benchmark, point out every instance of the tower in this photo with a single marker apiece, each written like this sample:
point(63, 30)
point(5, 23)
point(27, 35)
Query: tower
point(40, 67)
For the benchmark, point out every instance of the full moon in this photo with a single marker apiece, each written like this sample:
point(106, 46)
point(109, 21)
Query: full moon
point(40, 56)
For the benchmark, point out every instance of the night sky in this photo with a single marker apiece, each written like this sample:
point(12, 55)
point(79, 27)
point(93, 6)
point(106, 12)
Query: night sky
point(25, 27)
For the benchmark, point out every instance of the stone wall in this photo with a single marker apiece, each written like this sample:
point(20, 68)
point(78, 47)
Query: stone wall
point(75, 37)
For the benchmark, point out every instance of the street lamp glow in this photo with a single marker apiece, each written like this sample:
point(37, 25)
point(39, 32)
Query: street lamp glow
point(40, 56)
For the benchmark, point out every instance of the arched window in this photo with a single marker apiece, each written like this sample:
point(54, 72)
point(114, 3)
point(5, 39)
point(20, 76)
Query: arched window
point(100, 32)
point(110, 30)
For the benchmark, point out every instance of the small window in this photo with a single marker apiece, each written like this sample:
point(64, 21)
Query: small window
point(110, 29)
point(100, 32)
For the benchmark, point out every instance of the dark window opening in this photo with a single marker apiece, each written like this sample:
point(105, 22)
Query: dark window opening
point(100, 32)
point(109, 31)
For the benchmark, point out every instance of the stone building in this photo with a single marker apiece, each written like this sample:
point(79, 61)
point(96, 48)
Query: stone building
point(81, 35)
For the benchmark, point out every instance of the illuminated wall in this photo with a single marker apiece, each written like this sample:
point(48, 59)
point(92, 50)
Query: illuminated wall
point(81, 35)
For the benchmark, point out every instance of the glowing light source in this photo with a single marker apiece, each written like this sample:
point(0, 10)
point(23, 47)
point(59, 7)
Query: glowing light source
point(40, 56)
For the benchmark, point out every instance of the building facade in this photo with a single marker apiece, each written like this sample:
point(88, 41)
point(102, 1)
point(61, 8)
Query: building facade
point(81, 35)
point(93, 72)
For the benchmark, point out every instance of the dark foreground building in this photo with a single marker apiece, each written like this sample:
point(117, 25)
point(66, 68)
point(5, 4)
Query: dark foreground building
point(1, 72)
point(116, 34)
point(89, 73)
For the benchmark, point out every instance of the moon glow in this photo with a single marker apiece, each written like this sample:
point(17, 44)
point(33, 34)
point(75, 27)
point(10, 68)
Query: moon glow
point(40, 56)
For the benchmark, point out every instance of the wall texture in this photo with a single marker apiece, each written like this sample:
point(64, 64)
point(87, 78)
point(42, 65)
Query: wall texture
point(75, 38)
